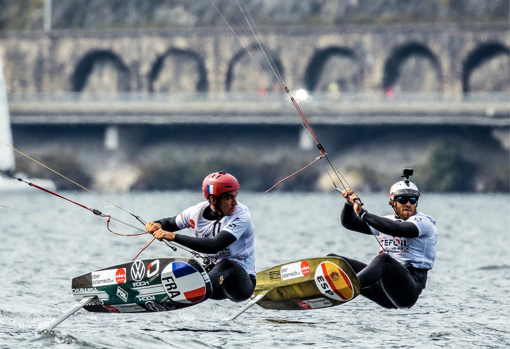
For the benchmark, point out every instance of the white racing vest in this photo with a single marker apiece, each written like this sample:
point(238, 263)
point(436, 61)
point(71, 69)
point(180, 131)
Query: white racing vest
point(420, 251)
point(239, 224)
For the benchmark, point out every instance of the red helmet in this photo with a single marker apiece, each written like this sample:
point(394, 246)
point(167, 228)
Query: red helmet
point(218, 183)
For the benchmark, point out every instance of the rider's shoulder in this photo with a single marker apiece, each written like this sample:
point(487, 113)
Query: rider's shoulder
point(421, 217)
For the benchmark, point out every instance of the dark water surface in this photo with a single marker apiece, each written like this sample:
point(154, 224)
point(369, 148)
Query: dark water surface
point(466, 303)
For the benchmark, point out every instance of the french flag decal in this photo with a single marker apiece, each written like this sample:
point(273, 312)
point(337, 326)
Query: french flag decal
point(183, 283)
point(211, 189)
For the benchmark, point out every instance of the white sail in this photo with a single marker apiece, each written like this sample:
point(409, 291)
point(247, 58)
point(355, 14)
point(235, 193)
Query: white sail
point(6, 153)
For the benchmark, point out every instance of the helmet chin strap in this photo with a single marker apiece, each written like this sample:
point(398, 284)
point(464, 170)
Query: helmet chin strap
point(393, 204)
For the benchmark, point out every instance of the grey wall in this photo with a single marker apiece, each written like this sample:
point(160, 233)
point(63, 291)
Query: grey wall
point(417, 58)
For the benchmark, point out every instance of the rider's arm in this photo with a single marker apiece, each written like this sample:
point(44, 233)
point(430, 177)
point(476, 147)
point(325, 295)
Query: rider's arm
point(390, 227)
point(206, 245)
point(351, 221)
point(168, 224)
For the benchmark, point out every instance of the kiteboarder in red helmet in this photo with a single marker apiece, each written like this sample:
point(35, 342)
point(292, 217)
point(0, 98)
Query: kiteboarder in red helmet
point(407, 239)
point(217, 184)
point(223, 230)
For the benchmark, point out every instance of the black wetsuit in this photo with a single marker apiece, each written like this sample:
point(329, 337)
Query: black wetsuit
point(228, 278)
point(385, 280)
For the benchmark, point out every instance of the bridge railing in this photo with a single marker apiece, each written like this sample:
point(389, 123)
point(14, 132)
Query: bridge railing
point(235, 97)
point(359, 108)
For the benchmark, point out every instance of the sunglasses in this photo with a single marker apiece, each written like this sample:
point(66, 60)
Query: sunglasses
point(404, 199)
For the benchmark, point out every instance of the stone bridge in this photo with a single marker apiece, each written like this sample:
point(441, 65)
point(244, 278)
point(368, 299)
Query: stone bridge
point(445, 59)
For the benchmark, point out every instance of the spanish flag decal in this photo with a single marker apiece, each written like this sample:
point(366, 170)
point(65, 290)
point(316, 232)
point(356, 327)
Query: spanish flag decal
point(333, 282)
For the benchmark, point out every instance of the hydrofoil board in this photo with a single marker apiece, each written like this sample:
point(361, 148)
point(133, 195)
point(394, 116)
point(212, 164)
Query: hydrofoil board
point(304, 284)
point(150, 285)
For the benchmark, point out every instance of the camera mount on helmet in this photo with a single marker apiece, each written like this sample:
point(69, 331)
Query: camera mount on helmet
point(405, 187)
point(408, 172)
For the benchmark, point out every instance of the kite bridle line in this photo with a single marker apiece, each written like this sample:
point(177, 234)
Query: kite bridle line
point(172, 245)
point(263, 47)
point(304, 122)
point(61, 175)
point(61, 220)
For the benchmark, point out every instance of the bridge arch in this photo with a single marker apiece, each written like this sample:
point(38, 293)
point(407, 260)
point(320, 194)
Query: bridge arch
point(112, 74)
point(412, 67)
point(344, 72)
point(244, 75)
point(171, 72)
point(492, 77)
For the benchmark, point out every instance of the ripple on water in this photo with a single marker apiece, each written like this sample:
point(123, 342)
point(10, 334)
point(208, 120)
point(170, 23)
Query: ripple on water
point(495, 267)
point(50, 338)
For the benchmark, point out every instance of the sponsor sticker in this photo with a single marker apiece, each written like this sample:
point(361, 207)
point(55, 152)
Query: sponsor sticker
point(85, 290)
point(146, 298)
point(155, 306)
point(394, 243)
point(141, 283)
point(111, 309)
point(153, 268)
point(274, 276)
point(333, 282)
point(294, 270)
point(232, 225)
point(315, 303)
point(205, 276)
point(122, 294)
point(137, 270)
point(125, 308)
point(79, 293)
point(120, 275)
point(108, 277)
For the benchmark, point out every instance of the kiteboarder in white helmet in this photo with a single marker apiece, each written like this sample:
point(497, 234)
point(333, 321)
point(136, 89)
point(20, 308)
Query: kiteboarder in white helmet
point(404, 189)
point(407, 239)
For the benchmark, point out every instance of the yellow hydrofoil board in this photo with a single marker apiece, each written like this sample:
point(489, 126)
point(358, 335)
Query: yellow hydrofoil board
point(305, 284)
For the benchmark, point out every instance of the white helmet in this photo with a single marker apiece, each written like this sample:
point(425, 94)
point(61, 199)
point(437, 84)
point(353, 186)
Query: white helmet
point(404, 188)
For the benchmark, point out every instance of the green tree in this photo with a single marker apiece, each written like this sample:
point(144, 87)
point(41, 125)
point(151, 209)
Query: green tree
point(446, 170)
